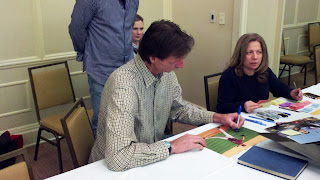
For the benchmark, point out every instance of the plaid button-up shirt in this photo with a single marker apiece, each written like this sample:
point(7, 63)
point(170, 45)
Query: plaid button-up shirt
point(135, 107)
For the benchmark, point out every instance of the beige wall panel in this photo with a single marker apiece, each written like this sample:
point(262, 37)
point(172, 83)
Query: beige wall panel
point(80, 84)
point(298, 40)
point(308, 11)
point(16, 26)
point(302, 44)
point(13, 97)
point(290, 12)
point(150, 10)
point(212, 47)
point(16, 105)
point(56, 17)
point(264, 25)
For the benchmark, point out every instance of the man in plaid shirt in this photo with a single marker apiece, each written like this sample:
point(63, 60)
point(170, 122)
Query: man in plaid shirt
point(141, 96)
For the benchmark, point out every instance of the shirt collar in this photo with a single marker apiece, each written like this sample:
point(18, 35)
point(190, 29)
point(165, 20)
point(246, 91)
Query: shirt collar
point(148, 77)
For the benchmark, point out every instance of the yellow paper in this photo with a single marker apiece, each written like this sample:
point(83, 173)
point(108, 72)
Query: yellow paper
point(316, 112)
point(290, 132)
point(278, 101)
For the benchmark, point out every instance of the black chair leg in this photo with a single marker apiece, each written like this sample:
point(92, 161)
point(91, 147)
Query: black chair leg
point(289, 75)
point(59, 153)
point(37, 145)
point(282, 71)
point(305, 74)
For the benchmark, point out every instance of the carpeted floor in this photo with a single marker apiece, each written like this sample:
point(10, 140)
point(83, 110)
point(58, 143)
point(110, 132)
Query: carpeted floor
point(48, 165)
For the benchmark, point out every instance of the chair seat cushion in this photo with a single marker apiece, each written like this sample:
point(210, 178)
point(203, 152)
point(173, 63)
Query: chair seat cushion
point(16, 171)
point(53, 122)
point(294, 59)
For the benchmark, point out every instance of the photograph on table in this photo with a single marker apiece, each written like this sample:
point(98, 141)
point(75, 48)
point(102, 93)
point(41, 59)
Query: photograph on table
point(228, 142)
point(306, 130)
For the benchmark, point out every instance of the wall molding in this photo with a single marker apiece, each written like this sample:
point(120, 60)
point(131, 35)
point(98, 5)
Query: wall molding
point(298, 46)
point(28, 108)
point(23, 129)
point(286, 45)
point(35, 61)
point(298, 25)
point(75, 73)
point(18, 62)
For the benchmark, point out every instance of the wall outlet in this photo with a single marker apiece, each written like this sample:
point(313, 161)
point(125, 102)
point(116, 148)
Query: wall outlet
point(212, 17)
point(222, 18)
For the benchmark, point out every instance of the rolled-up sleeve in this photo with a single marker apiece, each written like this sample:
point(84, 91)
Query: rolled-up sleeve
point(185, 112)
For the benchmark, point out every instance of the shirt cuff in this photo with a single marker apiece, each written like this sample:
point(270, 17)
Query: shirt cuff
point(79, 56)
point(208, 116)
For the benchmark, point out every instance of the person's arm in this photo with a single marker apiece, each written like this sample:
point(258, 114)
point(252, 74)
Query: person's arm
point(123, 150)
point(227, 95)
point(277, 87)
point(185, 112)
point(81, 17)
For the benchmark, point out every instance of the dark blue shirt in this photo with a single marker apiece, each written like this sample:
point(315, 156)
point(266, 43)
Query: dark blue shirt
point(235, 91)
point(101, 32)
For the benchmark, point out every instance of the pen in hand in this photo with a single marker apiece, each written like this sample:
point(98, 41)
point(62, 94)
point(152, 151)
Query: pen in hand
point(295, 86)
point(239, 112)
point(298, 92)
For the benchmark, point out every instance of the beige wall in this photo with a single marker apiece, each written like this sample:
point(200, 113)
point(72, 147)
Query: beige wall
point(265, 18)
point(212, 43)
point(35, 32)
point(150, 10)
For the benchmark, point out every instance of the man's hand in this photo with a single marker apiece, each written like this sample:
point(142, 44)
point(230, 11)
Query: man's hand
point(249, 106)
point(228, 119)
point(187, 142)
point(296, 94)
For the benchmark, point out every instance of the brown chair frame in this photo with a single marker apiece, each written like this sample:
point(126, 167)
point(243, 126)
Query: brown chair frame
point(18, 152)
point(316, 63)
point(206, 88)
point(304, 66)
point(311, 46)
point(67, 133)
point(57, 136)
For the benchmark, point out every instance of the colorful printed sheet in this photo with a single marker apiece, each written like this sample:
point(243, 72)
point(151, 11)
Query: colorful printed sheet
point(234, 145)
point(309, 129)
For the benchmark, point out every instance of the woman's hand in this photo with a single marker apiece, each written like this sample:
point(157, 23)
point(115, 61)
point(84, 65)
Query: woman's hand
point(296, 94)
point(249, 106)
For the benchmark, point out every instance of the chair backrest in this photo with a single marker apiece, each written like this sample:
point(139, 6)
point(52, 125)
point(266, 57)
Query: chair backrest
point(317, 62)
point(78, 133)
point(211, 85)
point(314, 35)
point(51, 85)
point(21, 170)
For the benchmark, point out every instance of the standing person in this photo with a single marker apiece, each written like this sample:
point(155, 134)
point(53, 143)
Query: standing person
point(101, 32)
point(248, 78)
point(137, 33)
point(141, 96)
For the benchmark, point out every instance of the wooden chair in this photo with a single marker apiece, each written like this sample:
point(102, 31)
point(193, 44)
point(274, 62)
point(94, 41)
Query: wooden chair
point(314, 36)
point(211, 90)
point(51, 86)
point(291, 61)
point(317, 62)
point(78, 133)
point(21, 170)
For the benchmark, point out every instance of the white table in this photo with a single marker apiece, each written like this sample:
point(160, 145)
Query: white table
point(196, 164)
